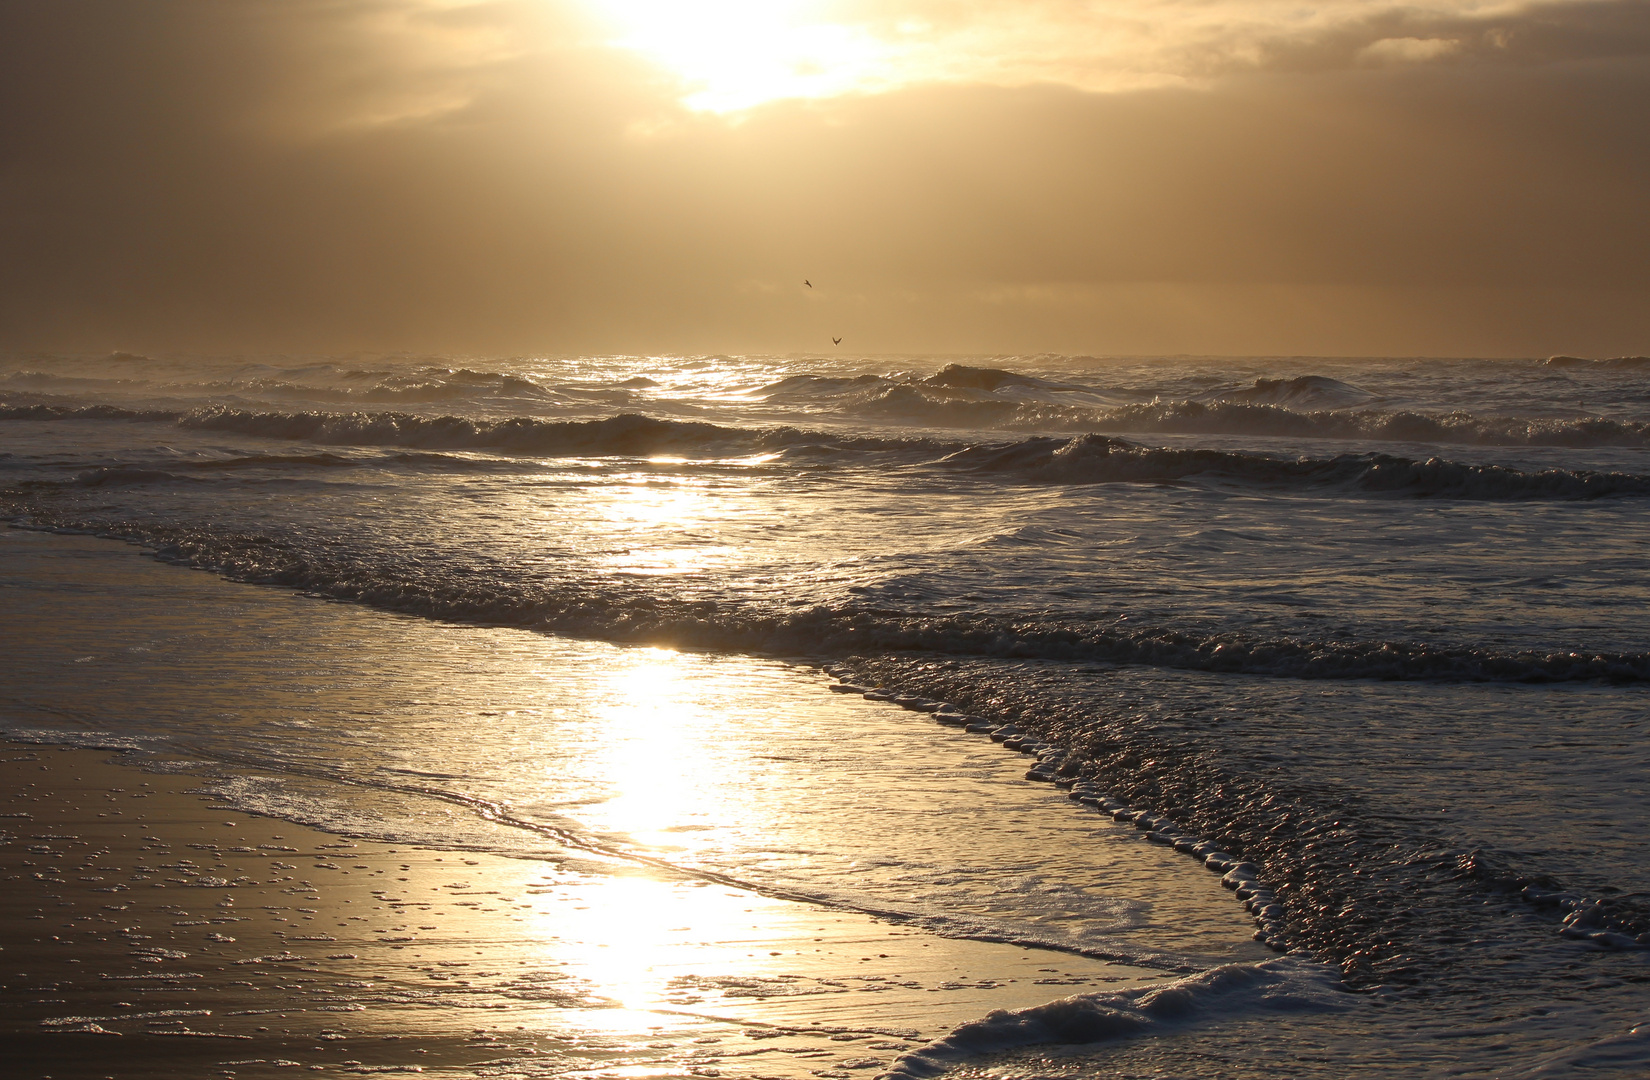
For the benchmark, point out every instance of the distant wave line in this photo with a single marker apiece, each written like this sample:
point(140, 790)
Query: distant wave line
point(1085, 459)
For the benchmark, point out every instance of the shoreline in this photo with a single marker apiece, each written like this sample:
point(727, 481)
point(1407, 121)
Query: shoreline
point(149, 930)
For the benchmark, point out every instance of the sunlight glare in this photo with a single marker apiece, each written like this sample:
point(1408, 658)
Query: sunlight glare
point(651, 716)
point(734, 54)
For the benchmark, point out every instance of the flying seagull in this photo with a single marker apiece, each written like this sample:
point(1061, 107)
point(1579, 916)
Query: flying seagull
point(836, 341)
point(808, 283)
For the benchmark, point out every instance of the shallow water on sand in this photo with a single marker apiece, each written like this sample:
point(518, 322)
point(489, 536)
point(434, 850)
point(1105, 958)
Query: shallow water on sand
point(742, 768)
point(148, 932)
point(1375, 626)
point(703, 836)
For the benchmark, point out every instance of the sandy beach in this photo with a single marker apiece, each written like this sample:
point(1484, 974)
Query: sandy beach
point(149, 931)
point(171, 913)
point(625, 539)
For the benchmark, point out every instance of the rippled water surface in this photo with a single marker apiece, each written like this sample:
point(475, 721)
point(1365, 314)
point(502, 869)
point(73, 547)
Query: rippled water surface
point(1375, 626)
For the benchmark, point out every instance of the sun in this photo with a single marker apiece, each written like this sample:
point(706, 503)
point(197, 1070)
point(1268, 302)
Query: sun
point(735, 54)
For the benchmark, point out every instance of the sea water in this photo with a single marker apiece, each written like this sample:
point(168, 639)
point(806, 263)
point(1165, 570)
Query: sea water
point(1366, 637)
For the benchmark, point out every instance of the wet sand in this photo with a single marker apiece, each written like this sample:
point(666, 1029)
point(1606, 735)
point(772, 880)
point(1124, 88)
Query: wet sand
point(149, 932)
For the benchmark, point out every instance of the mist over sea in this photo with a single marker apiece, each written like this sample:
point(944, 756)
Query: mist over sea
point(1367, 637)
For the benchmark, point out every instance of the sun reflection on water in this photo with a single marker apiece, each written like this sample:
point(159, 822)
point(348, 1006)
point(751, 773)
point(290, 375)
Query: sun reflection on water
point(632, 933)
point(622, 932)
point(673, 526)
point(665, 783)
point(645, 501)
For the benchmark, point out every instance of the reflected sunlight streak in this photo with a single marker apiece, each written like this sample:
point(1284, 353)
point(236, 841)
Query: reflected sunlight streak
point(634, 936)
point(634, 932)
point(654, 722)
point(673, 526)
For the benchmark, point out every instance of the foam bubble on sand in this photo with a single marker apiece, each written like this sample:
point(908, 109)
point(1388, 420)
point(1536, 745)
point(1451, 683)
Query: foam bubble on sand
point(85, 740)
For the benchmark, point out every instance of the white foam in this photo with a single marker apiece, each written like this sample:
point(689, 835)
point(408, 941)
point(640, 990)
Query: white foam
point(1288, 984)
point(85, 740)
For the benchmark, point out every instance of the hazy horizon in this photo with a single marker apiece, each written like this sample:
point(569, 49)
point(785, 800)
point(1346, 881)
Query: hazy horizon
point(562, 177)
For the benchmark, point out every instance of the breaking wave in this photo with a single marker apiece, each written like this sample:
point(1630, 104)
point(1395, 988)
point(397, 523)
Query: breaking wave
point(1629, 363)
point(1305, 391)
point(1097, 459)
point(634, 612)
point(1305, 407)
point(322, 383)
point(1266, 419)
point(627, 434)
point(1277, 986)
point(1085, 459)
point(88, 412)
point(428, 386)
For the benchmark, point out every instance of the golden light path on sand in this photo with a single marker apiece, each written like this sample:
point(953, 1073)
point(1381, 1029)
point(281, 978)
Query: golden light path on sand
point(626, 947)
point(202, 937)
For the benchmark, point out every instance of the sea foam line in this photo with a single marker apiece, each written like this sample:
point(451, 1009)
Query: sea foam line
point(1284, 985)
point(240, 792)
point(1060, 766)
point(629, 612)
point(1291, 916)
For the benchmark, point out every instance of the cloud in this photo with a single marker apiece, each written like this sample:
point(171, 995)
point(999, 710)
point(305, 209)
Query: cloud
point(335, 175)
point(1486, 36)
point(1407, 50)
point(822, 48)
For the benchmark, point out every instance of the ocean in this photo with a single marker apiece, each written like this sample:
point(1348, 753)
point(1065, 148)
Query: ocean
point(1319, 686)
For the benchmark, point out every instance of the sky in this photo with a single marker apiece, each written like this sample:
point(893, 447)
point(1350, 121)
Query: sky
point(539, 177)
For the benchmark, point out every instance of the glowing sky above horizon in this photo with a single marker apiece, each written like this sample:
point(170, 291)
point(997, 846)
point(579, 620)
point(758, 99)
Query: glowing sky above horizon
point(731, 55)
point(969, 176)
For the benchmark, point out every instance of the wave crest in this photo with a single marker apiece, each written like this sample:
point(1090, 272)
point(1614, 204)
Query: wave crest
point(1631, 363)
point(1086, 459)
point(1309, 391)
point(1266, 419)
point(635, 613)
point(1286, 985)
point(1100, 459)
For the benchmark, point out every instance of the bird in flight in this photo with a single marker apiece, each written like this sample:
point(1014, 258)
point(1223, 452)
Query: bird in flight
point(808, 283)
point(836, 341)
